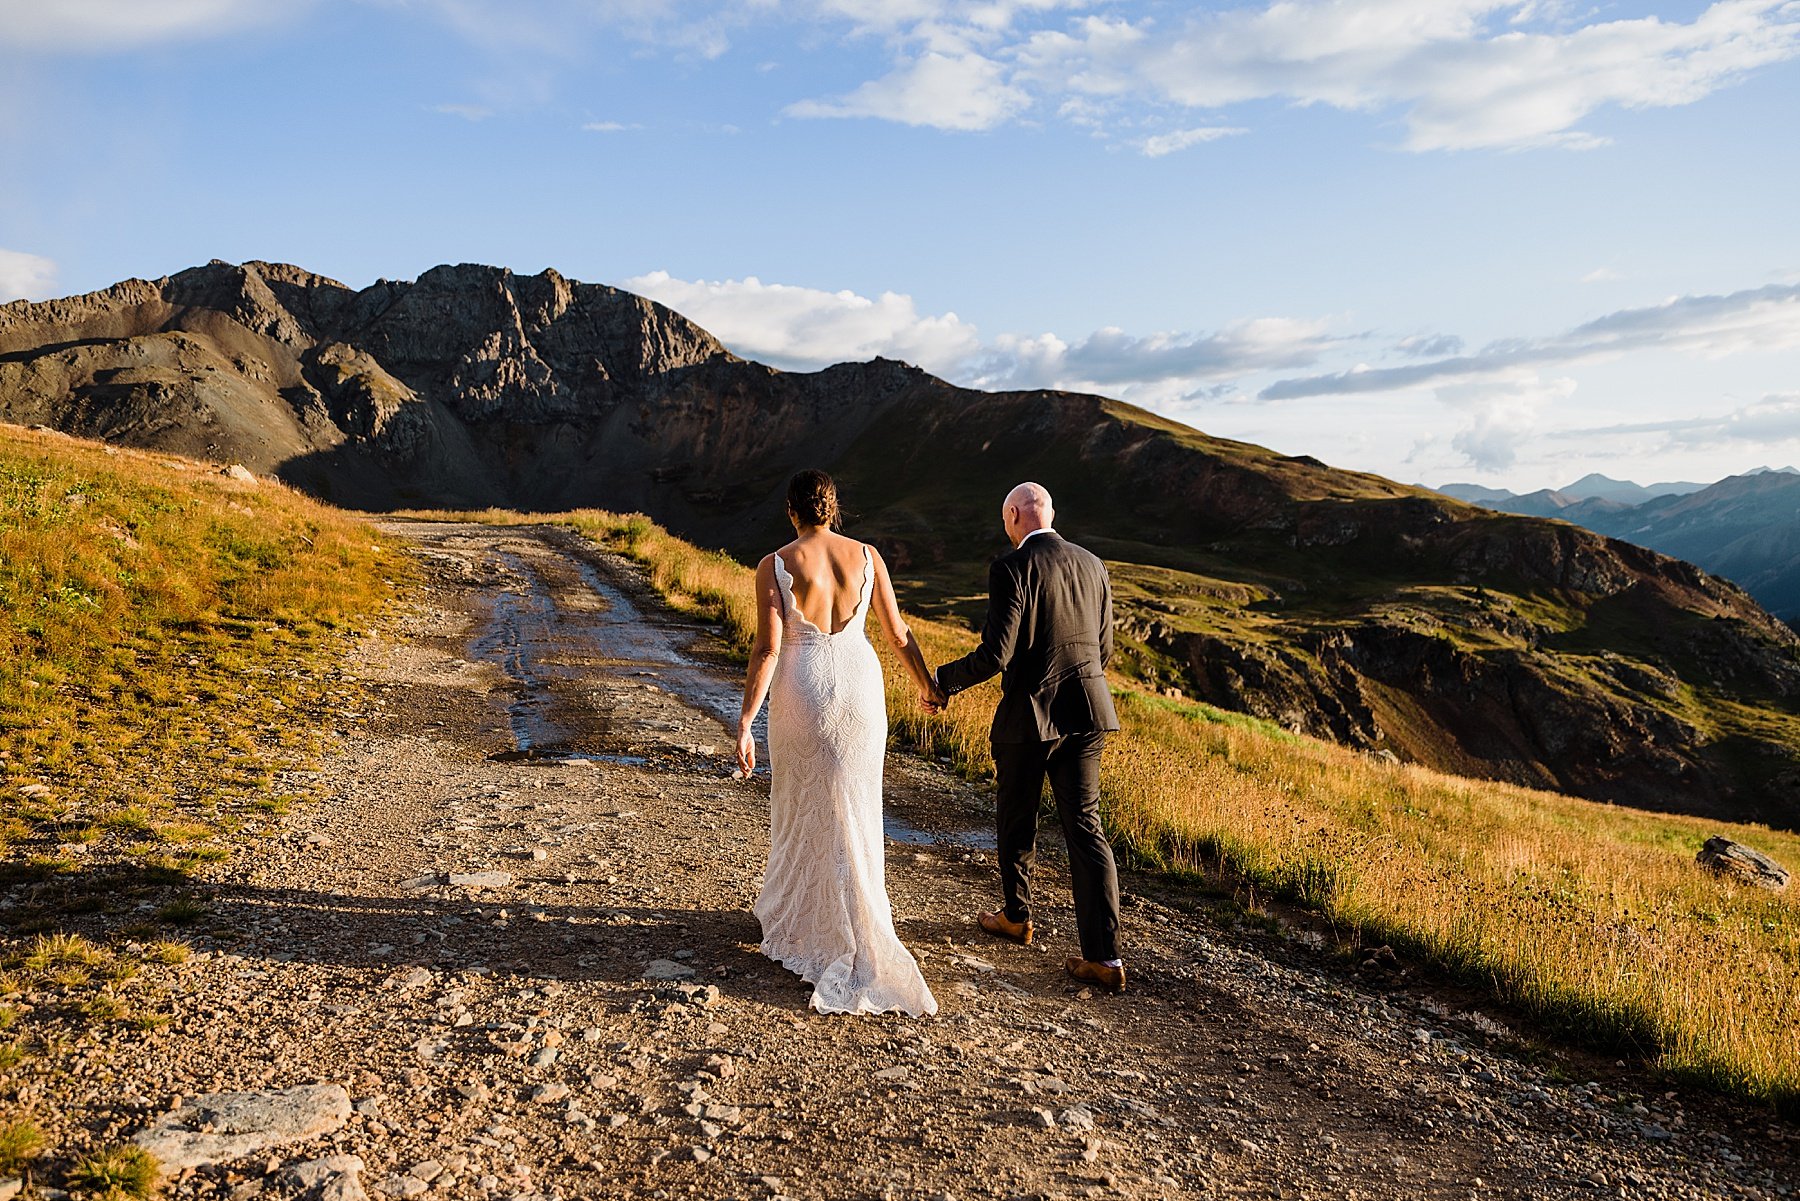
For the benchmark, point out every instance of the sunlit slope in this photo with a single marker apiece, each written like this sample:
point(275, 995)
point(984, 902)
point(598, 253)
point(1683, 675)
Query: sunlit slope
point(1593, 918)
point(1333, 602)
point(167, 634)
point(1346, 606)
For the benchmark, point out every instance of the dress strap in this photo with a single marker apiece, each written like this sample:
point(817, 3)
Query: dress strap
point(784, 585)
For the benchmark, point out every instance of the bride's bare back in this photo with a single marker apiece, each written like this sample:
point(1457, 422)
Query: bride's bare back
point(827, 571)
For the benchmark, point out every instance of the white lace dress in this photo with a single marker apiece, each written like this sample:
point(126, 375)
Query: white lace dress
point(824, 905)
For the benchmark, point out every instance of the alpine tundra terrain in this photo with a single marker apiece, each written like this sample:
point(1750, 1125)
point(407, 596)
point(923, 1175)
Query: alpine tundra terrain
point(506, 954)
point(1338, 604)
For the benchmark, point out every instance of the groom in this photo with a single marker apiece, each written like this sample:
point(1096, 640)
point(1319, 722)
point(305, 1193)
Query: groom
point(1049, 633)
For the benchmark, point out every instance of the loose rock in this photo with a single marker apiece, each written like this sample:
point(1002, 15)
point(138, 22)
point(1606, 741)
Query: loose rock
point(1739, 862)
point(221, 1126)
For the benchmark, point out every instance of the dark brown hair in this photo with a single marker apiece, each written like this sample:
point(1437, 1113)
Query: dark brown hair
point(812, 497)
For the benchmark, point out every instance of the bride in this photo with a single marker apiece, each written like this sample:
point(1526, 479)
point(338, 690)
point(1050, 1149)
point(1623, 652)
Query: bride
point(824, 905)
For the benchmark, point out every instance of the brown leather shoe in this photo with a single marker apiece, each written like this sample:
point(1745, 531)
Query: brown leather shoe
point(1112, 979)
point(1001, 926)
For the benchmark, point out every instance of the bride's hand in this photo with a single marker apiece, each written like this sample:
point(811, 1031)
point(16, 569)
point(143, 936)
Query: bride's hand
point(746, 751)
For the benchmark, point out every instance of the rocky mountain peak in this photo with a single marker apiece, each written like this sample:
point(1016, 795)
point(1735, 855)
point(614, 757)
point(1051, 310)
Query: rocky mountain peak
point(1337, 602)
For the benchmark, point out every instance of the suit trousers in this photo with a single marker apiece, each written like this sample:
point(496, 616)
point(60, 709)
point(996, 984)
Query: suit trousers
point(1072, 764)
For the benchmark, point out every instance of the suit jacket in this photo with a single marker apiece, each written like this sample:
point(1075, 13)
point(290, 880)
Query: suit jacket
point(1049, 634)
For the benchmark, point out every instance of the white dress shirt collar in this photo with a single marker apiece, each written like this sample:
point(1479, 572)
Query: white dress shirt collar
point(1040, 530)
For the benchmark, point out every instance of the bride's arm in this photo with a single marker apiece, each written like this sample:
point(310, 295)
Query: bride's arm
point(899, 635)
point(763, 653)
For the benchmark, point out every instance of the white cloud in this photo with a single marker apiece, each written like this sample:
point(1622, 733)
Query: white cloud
point(25, 276)
point(1503, 415)
point(1429, 346)
point(1181, 139)
point(610, 126)
point(808, 328)
point(1762, 319)
point(100, 25)
point(1773, 419)
point(1453, 74)
point(1459, 82)
point(964, 91)
point(1117, 362)
point(1601, 275)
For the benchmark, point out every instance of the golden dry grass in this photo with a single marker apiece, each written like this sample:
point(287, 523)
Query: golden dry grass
point(166, 635)
point(1590, 917)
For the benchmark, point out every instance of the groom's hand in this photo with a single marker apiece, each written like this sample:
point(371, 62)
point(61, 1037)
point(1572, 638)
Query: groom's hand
point(933, 697)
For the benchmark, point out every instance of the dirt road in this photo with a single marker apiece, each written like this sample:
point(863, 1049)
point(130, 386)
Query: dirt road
point(517, 933)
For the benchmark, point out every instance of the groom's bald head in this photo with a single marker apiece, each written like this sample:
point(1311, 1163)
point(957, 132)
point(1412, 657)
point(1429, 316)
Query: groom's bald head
point(1027, 508)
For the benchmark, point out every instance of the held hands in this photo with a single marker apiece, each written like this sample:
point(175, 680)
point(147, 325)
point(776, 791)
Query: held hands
point(932, 697)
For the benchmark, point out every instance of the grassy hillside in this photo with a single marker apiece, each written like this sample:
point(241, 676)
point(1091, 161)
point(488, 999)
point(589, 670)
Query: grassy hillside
point(168, 639)
point(1592, 918)
point(1354, 608)
point(1351, 607)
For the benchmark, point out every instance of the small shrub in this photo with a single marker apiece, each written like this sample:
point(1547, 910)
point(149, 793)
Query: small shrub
point(19, 1143)
point(104, 1007)
point(181, 913)
point(114, 1174)
point(168, 951)
point(49, 951)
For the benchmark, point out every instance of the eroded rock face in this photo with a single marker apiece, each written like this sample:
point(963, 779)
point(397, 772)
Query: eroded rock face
point(1741, 863)
point(278, 367)
point(217, 1127)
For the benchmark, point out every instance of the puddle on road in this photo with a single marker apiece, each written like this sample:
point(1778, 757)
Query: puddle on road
point(553, 654)
point(901, 830)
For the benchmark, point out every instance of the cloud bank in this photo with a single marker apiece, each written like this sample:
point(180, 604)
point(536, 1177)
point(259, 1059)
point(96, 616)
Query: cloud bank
point(25, 276)
point(1446, 74)
point(1500, 400)
point(1773, 419)
point(804, 329)
point(1766, 318)
point(1459, 74)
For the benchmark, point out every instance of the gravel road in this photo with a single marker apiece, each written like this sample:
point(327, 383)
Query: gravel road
point(516, 932)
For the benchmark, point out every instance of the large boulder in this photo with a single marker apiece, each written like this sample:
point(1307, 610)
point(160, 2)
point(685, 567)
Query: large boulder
point(218, 1127)
point(1739, 862)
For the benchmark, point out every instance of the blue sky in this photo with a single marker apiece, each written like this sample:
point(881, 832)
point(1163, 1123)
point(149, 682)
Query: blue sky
point(1437, 239)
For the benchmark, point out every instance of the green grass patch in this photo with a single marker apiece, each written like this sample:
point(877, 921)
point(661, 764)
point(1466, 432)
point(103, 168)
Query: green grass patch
point(20, 1143)
point(168, 638)
point(114, 1174)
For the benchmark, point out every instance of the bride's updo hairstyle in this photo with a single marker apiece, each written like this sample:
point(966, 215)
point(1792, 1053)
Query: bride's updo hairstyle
point(812, 497)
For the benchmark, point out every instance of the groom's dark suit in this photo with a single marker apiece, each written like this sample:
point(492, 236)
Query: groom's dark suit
point(1049, 634)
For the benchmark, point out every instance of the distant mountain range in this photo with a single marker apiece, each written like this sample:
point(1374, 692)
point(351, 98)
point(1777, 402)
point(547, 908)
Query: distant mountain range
point(1744, 527)
point(1387, 617)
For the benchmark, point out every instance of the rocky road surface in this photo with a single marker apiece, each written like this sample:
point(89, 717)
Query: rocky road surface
point(512, 957)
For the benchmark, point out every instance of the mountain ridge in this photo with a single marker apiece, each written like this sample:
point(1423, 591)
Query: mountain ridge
point(1336, 602)
point(1745, 527)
